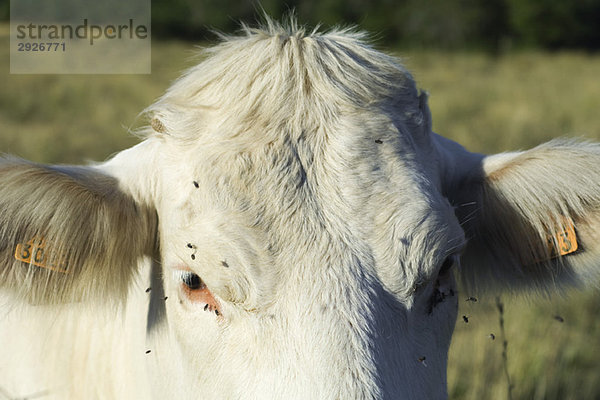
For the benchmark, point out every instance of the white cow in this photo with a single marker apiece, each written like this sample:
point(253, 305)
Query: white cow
point(288, 229)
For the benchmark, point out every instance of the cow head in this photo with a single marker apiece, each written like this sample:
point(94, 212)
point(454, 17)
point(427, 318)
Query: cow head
point(304, 223)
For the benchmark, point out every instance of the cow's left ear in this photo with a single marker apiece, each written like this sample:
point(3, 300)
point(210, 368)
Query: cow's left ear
point(70, 233)
point(532, 218)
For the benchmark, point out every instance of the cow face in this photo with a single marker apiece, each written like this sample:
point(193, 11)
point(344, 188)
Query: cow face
point(305, 245)
point(295, 261)
point(303, 224)
point(304, 232)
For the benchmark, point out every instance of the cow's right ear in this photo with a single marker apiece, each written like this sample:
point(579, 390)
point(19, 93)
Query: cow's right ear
point(69, 233)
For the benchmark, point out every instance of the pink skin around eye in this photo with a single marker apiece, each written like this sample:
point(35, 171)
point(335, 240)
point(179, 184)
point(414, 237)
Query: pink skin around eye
point(201, 295)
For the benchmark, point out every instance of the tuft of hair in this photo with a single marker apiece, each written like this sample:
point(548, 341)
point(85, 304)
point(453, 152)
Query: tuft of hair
point(280, 77)
point(68, 233)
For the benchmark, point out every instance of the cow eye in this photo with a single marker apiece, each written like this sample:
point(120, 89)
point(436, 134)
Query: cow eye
point(192, 281)
point(195, 291)
point(447, 265)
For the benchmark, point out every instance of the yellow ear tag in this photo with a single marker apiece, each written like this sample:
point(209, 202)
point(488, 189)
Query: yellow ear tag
point(565, 241)
point(35, 252)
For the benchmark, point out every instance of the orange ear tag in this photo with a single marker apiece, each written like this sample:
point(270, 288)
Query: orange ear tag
point(35, 252)
point(563, 242)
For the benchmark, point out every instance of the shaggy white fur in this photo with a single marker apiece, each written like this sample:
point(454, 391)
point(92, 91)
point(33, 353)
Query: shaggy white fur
point(308, 222)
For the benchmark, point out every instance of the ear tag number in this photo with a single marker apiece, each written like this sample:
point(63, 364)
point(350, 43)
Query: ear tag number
point(35, 252)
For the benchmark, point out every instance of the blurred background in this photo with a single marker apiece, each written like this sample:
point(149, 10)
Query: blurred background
point(502, 75)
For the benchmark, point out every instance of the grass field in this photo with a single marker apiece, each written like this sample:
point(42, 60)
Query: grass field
point(488, 104)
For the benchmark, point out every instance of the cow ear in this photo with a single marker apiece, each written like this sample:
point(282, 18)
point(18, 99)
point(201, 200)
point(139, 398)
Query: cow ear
point(533, 218)
point(69, 233)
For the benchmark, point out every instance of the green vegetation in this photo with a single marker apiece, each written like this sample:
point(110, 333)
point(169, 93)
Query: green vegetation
point(487, 103)
point(489, 24)
point(547, 359)
point(519, 100)
point(73, 118)
point(495, 25)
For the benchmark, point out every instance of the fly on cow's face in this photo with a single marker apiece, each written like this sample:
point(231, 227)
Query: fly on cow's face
point(191, 246)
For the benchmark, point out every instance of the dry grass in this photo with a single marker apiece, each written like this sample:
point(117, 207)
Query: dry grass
point(488, 104)
point(73, 118)
point(516, 101)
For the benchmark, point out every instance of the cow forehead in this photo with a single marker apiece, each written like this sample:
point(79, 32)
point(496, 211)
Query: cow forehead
point(280, 81)
point(292, 197)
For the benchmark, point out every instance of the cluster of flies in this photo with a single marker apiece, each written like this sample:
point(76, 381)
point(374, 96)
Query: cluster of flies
point(491, 336)
point(198, 284)
point(207, 307)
